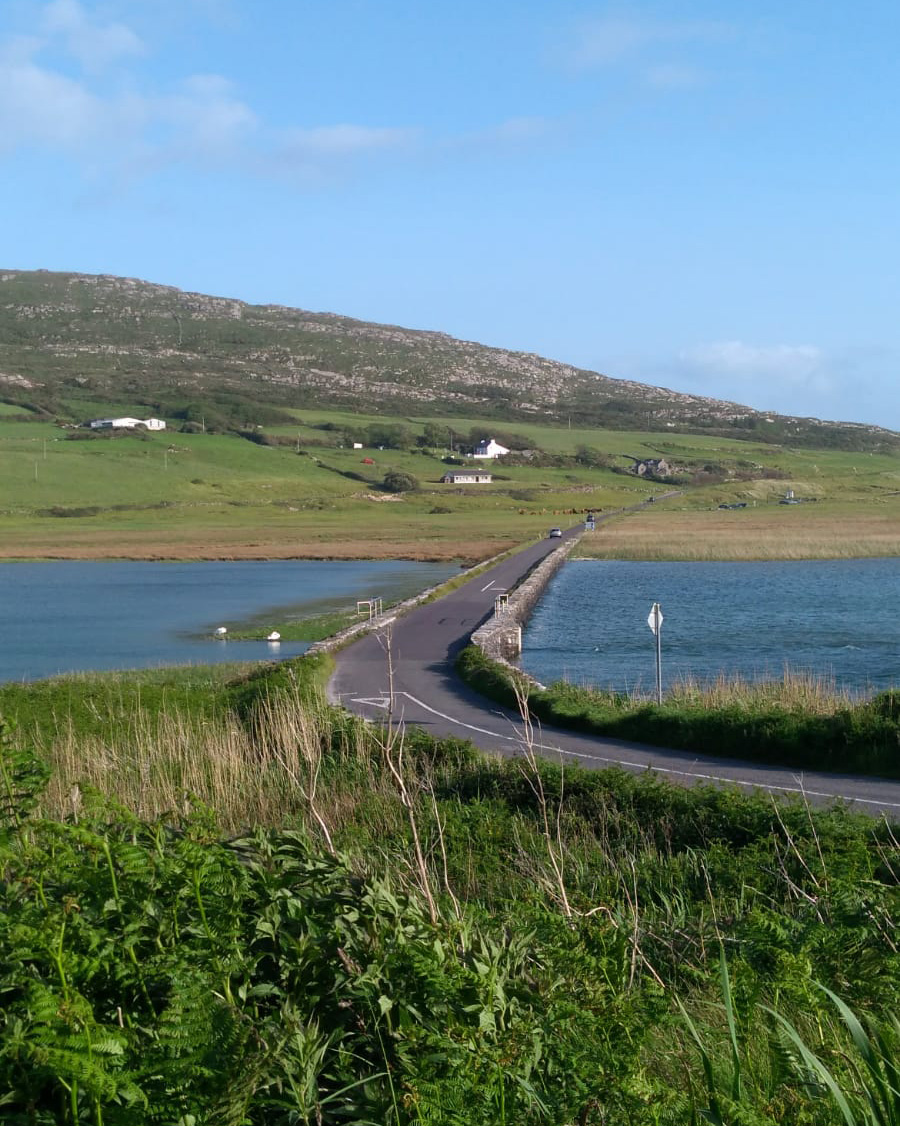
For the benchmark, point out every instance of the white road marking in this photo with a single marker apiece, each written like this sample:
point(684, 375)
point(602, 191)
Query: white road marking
point(658, 769)
point(372, 701)
point(488, 587)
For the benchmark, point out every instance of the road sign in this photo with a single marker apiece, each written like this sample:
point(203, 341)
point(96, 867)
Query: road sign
point(654, 621)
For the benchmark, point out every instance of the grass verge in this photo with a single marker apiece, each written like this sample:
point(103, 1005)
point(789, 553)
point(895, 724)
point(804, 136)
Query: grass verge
point(796, 723)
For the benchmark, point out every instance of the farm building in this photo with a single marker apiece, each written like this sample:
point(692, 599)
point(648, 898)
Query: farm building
point(487, 447)
point(466, 477)
point(126, 423)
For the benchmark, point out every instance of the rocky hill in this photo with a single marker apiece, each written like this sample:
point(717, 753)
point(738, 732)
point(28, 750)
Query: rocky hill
point(68, 336)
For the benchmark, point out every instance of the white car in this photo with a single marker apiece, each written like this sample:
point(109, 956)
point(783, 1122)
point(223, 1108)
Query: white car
point(555, 534)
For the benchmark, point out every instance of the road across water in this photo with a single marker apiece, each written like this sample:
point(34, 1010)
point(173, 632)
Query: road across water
point(406, 670)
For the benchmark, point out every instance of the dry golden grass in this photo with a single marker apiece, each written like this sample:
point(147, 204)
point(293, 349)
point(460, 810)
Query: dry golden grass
point(269, 775)
point(794, 692)
point(775, 532)
point(132, 546)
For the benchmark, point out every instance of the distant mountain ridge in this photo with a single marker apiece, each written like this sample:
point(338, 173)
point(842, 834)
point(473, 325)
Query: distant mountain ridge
point(65, 335)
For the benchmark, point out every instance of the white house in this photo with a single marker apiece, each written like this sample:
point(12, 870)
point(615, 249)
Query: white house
point(466, 477)
point(126, 423)
point(487, 447)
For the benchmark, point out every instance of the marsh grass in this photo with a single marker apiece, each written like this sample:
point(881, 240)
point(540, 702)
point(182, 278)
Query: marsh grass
point(773, 532)
point(799, 721)
point(796, 691)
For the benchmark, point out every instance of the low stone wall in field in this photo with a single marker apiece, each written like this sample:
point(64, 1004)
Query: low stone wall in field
point(500, 638)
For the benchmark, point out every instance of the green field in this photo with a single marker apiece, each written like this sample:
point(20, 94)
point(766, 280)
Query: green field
point(205, 495)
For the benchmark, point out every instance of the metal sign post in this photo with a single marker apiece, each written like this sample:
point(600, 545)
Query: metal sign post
point(655, 621)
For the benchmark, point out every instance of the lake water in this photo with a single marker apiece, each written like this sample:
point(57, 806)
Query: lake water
point(62, 616)
point(834, 619)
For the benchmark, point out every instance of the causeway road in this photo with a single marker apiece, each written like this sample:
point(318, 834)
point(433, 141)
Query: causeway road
point(418, 685)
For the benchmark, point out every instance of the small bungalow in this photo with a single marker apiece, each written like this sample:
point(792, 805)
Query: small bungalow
point(126, 423)
point(487, 447)
point(466, 477)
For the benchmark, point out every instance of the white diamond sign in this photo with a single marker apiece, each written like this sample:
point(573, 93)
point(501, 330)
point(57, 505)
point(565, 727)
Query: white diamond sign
point(655, 617)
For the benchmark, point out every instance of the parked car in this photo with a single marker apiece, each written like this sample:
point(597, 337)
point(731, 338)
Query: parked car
point(556, 533)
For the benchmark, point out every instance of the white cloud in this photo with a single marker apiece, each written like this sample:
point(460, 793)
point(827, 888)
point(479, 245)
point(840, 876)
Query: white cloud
point(204, 117)
point(513, 131)
point(854, 383)
point(673, 76)
point(612, 39)
point(67, 89)
point(92, 43)
point(52, 97)
point(343, 140)
point(41, 106)
point(797, 363)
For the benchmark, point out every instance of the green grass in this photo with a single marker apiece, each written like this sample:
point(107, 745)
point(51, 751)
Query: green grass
point(278, 913)
point(314, 628)
point(797, 722)
point(196, 495)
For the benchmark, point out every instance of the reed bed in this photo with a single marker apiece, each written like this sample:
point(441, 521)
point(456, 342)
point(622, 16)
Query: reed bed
point(789, 532)
point(157, 765)
point(796, 691)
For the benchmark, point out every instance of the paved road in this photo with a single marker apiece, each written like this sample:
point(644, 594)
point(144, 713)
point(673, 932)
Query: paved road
point(424, 644)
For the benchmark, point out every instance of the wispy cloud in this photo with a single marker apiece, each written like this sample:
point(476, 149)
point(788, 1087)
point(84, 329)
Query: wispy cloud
point(675, 76)
point(663, 54)
point(79, 85)
point(344, 140)
point(797, 363)
point(800, 379)
point(53, 96)
point(611, 39)
point(852, 383)
point(94, 43)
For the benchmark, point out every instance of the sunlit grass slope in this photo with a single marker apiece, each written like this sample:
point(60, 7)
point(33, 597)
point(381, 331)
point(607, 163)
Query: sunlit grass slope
point(204, 495)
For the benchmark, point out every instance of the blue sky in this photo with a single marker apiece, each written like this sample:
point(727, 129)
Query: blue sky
point(699, 195)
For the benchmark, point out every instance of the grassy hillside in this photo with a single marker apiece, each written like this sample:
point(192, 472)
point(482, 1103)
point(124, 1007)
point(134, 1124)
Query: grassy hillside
point(198, 495)
point(69, 342)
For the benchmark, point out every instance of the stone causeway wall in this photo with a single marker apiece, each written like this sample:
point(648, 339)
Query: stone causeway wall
point(500, 638)
point(345, 636)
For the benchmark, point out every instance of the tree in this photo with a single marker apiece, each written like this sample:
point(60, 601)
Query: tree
point(435, 435)
point(397, 482)
point(389, 435)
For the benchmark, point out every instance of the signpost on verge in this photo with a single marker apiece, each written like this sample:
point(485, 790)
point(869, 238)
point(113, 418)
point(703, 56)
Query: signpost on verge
point(655, 621)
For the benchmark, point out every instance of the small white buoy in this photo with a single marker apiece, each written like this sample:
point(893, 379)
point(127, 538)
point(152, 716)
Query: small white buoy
point(274, 636)
point(221, 631)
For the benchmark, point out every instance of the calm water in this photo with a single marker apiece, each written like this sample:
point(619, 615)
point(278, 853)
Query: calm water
point(61, 616)
point(833, 619)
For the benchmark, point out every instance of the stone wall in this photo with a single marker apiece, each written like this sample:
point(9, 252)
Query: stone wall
point(500, 638)
point(351, 633)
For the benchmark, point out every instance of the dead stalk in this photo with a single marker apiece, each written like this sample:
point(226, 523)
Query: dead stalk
point(552, 835)
point(392, 746)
